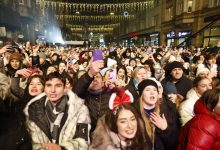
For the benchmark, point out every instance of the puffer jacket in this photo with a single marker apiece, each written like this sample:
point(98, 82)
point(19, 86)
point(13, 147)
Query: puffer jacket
point(202, 132)
point(74, 127)
point(186, 107)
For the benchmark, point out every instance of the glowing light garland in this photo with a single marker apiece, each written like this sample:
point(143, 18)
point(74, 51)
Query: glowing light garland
point(111, 18)
point(86, 7)
point(94, 26)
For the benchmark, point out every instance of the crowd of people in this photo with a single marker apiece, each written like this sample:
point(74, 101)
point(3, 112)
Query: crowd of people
point(114, 98)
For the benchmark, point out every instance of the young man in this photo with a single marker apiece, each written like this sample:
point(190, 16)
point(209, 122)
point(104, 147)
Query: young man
point(58, 119)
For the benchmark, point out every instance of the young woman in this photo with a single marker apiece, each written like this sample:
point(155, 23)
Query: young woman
point(129, 70)
point(122, 75)
point(51, 69)
point(140, 73)
point(203, 130)
point(210, 64)
point(35, 86)
point(14, 123)
point(119, 129)
point(159, 119)
point(200, 85)
point(15, 63)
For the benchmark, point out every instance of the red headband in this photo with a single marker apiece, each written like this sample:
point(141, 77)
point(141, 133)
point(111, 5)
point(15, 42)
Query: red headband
point(121, 96)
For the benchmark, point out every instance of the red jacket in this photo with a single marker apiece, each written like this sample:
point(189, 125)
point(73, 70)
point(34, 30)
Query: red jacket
point(202, 132)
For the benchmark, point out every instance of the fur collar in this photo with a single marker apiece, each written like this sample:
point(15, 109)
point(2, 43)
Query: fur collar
point(73, 102)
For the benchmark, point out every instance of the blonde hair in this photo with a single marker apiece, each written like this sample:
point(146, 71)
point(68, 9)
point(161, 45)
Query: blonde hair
point(136, 70)
point(149, 127)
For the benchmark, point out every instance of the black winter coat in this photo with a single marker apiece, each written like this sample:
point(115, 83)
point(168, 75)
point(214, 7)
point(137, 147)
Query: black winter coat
point(167, 139)
point(13, 133)
point(97, 103)
point(182, 86)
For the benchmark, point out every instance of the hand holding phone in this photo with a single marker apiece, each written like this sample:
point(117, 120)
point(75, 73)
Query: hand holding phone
point(97, 55)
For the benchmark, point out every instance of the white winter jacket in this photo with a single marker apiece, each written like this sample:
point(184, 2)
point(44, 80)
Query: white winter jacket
point(76, 113)
point(186, 109)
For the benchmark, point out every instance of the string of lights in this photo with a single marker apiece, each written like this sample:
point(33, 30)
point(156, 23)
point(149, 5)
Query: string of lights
point(86, 7)
point(113, 18)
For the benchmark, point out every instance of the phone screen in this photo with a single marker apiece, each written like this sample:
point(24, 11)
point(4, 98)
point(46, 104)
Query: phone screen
point(97, 55)
point(113, 75)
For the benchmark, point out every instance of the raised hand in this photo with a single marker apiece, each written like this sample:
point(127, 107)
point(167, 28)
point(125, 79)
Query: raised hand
point(5, 48)
point(159, 121)
point(23, 72)
point(95, 67)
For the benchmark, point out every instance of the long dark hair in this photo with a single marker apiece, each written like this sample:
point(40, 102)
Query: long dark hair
point(211, 98)
point(111, 121)
point(20, 105)
point(27, 97)
point(125, 77)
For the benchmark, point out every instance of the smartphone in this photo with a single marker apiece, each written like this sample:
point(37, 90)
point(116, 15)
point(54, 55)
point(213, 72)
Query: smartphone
point(97, 55)
point(111, 49)
point(113, 75)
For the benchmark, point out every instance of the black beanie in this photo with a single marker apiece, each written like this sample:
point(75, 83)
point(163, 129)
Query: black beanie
point(145, 83)
point(175, 64)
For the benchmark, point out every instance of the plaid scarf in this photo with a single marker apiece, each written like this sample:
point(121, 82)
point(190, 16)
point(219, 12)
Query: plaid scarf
point(55, 114)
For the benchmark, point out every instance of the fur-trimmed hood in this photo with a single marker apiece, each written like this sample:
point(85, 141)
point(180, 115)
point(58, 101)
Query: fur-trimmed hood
point(103, 138)
point(76, 115)
point(74, 101)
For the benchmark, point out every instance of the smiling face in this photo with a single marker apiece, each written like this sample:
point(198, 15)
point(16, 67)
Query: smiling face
point(150, 96)
point(54, 89)
point(121, 73)
point(35, 87)
point(127, 125)
point(15, 64)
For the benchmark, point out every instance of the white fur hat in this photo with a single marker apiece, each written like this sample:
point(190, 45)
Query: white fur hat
point(202, 70)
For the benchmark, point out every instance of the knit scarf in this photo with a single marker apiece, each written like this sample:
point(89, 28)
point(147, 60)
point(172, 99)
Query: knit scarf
point(55, 114)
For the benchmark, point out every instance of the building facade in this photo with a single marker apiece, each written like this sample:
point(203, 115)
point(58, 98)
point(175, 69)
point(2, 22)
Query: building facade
point(176, 23)
point(17, 19)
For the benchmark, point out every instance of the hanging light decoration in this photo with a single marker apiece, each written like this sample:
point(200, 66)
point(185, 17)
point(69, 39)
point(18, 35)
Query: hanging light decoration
point(84, 7)
point(94, 26)
point(94, 30)
point(112, 18)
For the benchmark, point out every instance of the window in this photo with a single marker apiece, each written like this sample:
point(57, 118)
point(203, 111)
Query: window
point(156, 3)
point(21, 2)
point(216, 3)
point(179, 8)
point(29, 3)
point(169, 13)
point(189, 6)
point(155, 20)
